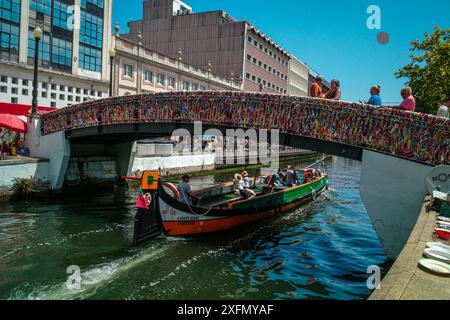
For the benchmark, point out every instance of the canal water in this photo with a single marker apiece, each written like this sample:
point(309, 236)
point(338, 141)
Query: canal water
point(321, 251)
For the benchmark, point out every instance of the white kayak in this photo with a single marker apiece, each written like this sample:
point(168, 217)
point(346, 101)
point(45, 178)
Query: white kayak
point(437, 254)
point(439, 246)
point(435, 266)
point(442, 218)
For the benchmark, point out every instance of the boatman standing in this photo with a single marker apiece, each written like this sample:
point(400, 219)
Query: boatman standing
point(184, 189)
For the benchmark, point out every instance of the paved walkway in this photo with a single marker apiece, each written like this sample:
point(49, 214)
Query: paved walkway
point(405, 280)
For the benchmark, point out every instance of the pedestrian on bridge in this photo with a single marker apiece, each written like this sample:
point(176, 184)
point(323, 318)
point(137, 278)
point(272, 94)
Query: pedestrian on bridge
point(335, 91)
point(316, 88)
point(375, 98)
point(409, 103)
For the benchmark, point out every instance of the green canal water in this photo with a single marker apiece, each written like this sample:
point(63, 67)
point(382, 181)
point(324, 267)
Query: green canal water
point(320, 251)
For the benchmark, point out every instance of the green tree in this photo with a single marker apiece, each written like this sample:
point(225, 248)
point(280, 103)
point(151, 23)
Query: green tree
point(428, 72)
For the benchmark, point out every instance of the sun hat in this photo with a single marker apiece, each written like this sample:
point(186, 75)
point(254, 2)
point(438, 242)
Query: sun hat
point(237, 176)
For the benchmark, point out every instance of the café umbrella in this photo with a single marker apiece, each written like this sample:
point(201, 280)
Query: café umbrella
point(13, 123)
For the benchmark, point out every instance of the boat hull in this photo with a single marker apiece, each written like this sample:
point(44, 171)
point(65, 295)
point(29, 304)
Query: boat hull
point(178, 219)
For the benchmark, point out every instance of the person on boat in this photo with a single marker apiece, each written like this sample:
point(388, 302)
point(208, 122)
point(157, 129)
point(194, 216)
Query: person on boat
point(277, 179)
point(316, 88)
point(246, 180)
point(335, 91)
point(184, 189)
point(239, 186)
point(290, 176)
point(375, 98)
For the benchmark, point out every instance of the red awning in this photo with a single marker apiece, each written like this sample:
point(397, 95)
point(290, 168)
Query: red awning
point(20, 109)
point(13, 123)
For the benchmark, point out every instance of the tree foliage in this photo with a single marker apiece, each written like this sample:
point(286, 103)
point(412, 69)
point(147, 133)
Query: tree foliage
point(428, 72)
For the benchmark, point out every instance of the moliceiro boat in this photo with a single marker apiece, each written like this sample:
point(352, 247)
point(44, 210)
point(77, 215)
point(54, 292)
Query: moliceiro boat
point(159, 209)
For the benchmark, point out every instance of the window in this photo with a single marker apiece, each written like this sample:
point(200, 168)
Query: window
point(260, 63)
point(259, 80)
point(86, 91)
point(62, 88)
point(254, 78)
point(265, 66)
point(4, 79)
point(92, 92)
point(3, 89)
point(77, 99)
point(61, 15)
point(255, 42)
point(249, 39)
point(14, 80)
point(99, 94)
point(128, 70)
point(14, 90)
point(44, 94)
point(24, 92)
point(91, 29)
point(247, 75)
point(270, 53)
point(42, 6)
point(24, 82)
point(14, 100)
point(202, 88)
point(10, 10)
point(9, 29)
point(186, 85)
point(148, 76)
point(249, 57)
point(61, 52)
point(265, 50)
point(53, 95)
point(270, 69)
point(98, 3)
point(44, 85)
point(194, 87)
point(78, 90)
point(53, 104)
point(172, 82)
point(53, 86)
point(62, 97)
point(254, 60)
point(161, 79)
point(44, 48)
point(90, 58)
point(264, 82)
point(69, 89)
point(260, 46)
point(69, 98)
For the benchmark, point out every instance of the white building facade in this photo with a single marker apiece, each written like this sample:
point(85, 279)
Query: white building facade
point(73, 50)
point(140, 70)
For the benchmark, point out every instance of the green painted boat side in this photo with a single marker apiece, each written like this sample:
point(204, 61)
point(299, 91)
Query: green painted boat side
point(282, 197)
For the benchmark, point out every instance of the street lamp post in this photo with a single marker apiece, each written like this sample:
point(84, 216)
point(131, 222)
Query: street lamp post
point(37, 32)
point(112, 54)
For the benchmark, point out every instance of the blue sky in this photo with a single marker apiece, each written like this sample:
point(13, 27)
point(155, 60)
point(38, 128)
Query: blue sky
point(331, 36)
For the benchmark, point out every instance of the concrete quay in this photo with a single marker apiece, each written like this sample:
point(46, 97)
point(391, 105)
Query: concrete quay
point(406, 280)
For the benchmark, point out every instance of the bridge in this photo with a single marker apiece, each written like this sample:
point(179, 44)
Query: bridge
point(397, 148)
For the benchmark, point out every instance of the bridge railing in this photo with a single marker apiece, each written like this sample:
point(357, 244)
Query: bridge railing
point(411, 135)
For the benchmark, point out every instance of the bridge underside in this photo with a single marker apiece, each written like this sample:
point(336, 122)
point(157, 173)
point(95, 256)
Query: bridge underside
point(115, 134)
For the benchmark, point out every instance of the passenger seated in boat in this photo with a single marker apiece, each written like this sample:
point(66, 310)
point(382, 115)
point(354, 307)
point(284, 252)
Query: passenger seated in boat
point(239, 186)
point(290, 177)
point(246, 180)
point(184, 189)
point(277, 179)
